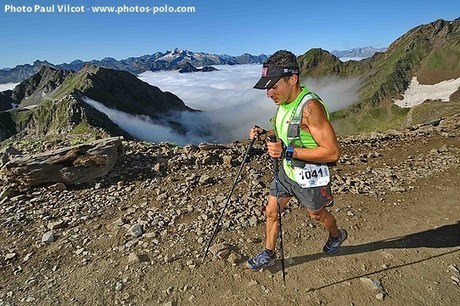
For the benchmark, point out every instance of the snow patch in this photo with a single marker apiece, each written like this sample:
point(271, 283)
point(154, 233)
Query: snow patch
point(30, 106)
point(346, 59)
point(417, 93)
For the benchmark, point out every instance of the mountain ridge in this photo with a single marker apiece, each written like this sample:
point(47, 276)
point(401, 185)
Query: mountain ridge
point(431, 52)
point(359, 52)
point(169, 60)
point(53, 100)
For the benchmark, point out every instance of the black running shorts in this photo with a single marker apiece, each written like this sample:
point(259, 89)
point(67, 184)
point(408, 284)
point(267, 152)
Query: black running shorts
point(312, 198)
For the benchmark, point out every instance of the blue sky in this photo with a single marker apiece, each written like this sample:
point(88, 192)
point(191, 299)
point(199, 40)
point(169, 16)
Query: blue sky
point(217, 26)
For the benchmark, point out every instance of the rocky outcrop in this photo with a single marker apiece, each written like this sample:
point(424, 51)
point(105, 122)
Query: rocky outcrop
point(38, 87)
point(66, 115)
point(6, 101)
point(190, 68)
point(209, 69)
point(7, 125)
point(72, 165)
point(53, 101)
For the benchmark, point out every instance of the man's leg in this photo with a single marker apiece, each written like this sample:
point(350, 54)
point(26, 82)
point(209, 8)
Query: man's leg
point(272, 226)
point(336, 236)
point(326, 219)
point(266, 258)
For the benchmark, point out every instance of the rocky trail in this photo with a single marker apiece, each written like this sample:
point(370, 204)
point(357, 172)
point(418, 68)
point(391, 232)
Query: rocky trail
point(137, 235)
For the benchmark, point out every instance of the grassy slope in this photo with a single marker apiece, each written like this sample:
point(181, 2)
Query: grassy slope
point(432, 52)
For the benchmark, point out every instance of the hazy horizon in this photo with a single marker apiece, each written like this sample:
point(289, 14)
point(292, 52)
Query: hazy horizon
point(68, 62)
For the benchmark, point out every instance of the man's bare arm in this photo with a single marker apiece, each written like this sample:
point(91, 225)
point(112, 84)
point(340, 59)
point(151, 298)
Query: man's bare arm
point(314, 120)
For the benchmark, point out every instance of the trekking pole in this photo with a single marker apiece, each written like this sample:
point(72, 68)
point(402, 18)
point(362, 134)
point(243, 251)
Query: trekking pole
point(272, 138)
point(216, 229)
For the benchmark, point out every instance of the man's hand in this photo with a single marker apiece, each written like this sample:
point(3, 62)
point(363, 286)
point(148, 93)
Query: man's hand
point(275, 149)
point(257, 133)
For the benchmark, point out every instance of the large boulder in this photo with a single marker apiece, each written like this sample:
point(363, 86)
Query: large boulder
point(71, 165)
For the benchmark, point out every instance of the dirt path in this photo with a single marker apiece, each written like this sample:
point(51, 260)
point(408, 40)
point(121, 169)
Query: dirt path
point(407, 242)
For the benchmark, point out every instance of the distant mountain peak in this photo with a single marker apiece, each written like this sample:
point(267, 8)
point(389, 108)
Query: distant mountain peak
point(179, 51)
point(358, 52)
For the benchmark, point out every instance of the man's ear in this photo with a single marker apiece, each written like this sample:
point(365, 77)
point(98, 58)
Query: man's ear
point(293, 79)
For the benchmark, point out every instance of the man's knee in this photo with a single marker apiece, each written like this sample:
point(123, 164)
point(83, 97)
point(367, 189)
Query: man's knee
point(319, 215)
point(271, 211)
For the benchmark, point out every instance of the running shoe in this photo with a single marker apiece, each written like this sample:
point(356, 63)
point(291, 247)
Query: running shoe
point(333, 243)
point(261, 260)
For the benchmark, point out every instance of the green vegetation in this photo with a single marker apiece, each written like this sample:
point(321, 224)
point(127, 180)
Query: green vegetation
point(432, 110)
point(435, 61)
point(82, 128)
point(69, 85)
point(380, 118)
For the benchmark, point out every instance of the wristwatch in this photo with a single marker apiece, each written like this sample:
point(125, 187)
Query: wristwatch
point(289, 154)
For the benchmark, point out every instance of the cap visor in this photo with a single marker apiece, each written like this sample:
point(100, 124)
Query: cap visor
point(266, 82)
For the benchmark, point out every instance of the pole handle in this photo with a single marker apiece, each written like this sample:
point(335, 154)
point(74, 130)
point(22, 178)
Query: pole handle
point(272, 138)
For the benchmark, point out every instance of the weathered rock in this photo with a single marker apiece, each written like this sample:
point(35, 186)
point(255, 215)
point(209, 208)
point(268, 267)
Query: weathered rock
point(233, 258)
point(9, 154)
point(135, 230)
point(57, 187)
point(221, 250)
point(56, 225)
point(380, 296)
point(133, 258)
point(211, 146)
point(71, 165)
point(10, 256)
point(4, 194)
point(205, 179)
point(48, 237)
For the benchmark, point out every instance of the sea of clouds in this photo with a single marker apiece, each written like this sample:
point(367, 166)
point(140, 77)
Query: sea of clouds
point(7, 86)
point(228, 104)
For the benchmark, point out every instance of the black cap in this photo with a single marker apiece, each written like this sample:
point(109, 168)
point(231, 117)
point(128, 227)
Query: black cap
point(271, 75)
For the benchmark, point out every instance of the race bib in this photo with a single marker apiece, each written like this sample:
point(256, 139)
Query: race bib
point(312, 175)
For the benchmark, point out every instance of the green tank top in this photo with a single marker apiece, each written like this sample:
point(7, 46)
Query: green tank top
point(284, 115)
